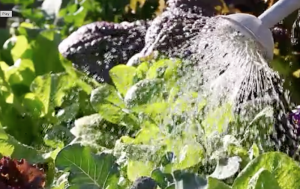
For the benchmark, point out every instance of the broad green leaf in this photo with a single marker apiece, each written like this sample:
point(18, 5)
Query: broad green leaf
point(29, 30)
point(4, 67)
point(157, 111)
point(74, 14)
point(45, 55)
point(87, 169)
point(51, 89)
point(144, 92)
point(283, 168)
point(68, 113)
point(149, 134)
point(189, 155)
point(107, 103)
point(106, 94)
point(6, 91)
point(142, 70)
point(263, 179)
point(94, 131)
point(10, 147)
point(160, 178)
point(136, 169)
point(187, 152)
point(226, 167)
point(33, 105)
point(22, 72)
point(21, 124)
point(35, 15)
point(87, 122)
point(140, 152)
point(20, 45)
point(165, 68)
point(123, 77)
point(216, 184)
point(157, 70)
point(218, 119)
point(185, 102)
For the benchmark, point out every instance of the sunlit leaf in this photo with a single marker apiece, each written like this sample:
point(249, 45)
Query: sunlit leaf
point(123, 77)
point(87, 169)
point(283, 168)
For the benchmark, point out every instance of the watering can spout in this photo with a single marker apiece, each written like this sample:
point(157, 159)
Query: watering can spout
point(280, 10)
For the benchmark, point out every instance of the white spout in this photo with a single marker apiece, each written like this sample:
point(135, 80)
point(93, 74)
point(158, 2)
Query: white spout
point(280, 10)
point(259, 28)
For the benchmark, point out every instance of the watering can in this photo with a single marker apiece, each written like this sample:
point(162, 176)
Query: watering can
point(258, 28)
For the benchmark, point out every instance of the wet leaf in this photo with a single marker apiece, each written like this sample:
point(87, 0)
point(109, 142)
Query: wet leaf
point(106, 101)
point(219, 117)
point(188, 155)
point(227, 167)
point(283, 168)
point(216, 184)
point(87, 169)
point(157, 111)
point(123, 77)
point(136, 169)
point(157, 70)
point(144, 92)
point(263, 179)
point(95, 132)
point(85, 123)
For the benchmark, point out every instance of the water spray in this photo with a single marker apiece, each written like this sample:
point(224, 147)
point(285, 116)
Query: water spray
point(259, 27)
point(233, 55)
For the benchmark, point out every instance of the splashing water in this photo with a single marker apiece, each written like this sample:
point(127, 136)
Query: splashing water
point(235, 70)
point(233, 66)
point(229, 67)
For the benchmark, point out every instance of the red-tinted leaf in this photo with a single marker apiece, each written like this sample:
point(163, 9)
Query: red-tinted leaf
point(20, 174)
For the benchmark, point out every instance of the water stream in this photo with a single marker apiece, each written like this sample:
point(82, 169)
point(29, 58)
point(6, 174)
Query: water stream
point(228, 68)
